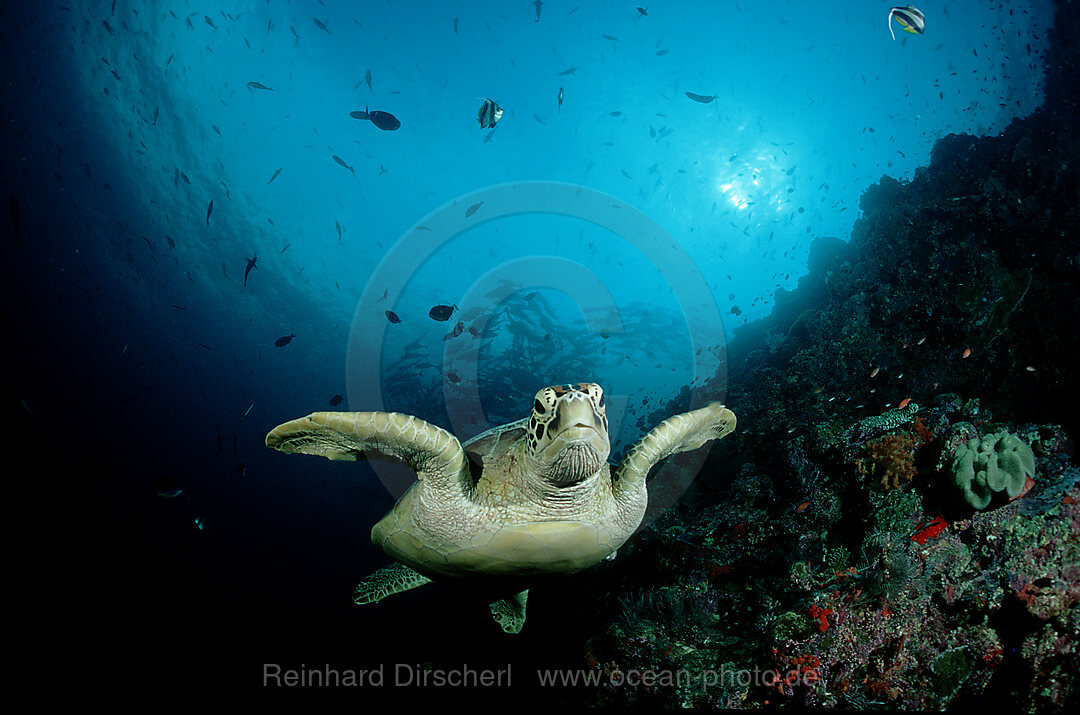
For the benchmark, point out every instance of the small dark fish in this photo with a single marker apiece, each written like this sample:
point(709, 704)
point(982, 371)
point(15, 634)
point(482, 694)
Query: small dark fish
point(209, 210)
point(643, 11)
point(392, 317)
point(453, 377)
point(216, 130)
point(538, 4)
point(321, 26)
point(455, 26)
point(568, 72)
point(341, 162)
point(473, 209)
point(177, 307)
point(560, 97)
point(610, 37)
point(184, 177)
point(250, 265)
point(284, 340)
point(615, 114)
point(489, 114)
point(156, 111)
point(383, 120)
point(275, 175)
point(910, 18)
point(367, 79)
point(661, 53)
point(458, 329)
point(259, 85)
point(209, 21)
point(337, 225)
point(108, 27)
point(704, 99)
point(335, 400)
point(442, 313)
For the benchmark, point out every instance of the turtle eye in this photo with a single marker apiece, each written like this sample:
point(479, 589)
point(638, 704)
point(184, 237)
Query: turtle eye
point(538, 407)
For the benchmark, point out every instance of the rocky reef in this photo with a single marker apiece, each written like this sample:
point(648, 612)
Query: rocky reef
point(896, 522)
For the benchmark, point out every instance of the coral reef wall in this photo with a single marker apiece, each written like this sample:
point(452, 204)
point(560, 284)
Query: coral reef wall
point(896, 521)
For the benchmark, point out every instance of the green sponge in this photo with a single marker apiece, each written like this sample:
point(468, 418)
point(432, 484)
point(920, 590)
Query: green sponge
point(998, 462)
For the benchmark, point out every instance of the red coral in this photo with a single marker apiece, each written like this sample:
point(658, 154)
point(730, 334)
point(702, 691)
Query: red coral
point(822, 615)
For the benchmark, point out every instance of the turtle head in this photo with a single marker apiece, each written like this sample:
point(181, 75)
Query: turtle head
point(568, 433)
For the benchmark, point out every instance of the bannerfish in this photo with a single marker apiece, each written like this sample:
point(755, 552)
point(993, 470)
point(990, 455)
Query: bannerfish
point(284, 340)
point(275, 175)
point(341, 162)
point(209, 210)
point(489, 114)
point(250, 265)
point(259, 85)
point(908, 16)
point(441, 313)
point(704, 99)
point(335, 400)
point(392, 317)
point(383, 120)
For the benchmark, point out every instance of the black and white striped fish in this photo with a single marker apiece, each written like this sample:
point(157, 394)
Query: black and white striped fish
point(489, 114)
point(908, 16)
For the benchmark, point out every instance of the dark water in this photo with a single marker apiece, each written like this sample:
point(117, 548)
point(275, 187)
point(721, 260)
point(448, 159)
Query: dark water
point(616, 238)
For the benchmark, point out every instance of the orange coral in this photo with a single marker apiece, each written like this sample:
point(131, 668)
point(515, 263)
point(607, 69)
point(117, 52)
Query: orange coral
point(890, 458)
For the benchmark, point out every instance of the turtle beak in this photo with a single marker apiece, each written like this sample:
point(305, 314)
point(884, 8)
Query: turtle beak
point(578, 443)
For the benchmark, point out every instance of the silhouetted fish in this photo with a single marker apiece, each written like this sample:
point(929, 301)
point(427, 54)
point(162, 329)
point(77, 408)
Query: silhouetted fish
point(318, 24)
point(441, 312)
point(392, 317)
point(284, 340)
point(250, 265)
point(341, 162)
point(383, 120)
point(259, 85)
point(274, 176)
point(704, 99)
point(209, 210)
point(473, 209)
point(335, 400)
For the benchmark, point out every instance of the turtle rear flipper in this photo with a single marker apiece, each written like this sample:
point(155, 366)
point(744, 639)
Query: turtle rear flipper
point(509, 613)
point(678, 433)
point(387, 581)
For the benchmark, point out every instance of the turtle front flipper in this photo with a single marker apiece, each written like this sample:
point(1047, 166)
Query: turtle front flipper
point(678, 433)
point(509, 613)
point(387, 581)
point(429, 450)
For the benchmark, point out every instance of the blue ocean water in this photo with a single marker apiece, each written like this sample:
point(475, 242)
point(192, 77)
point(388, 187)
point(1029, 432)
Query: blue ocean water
point(610, 228)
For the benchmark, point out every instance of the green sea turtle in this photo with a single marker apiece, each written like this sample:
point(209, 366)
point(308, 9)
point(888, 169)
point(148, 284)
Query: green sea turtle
point(522, 500)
